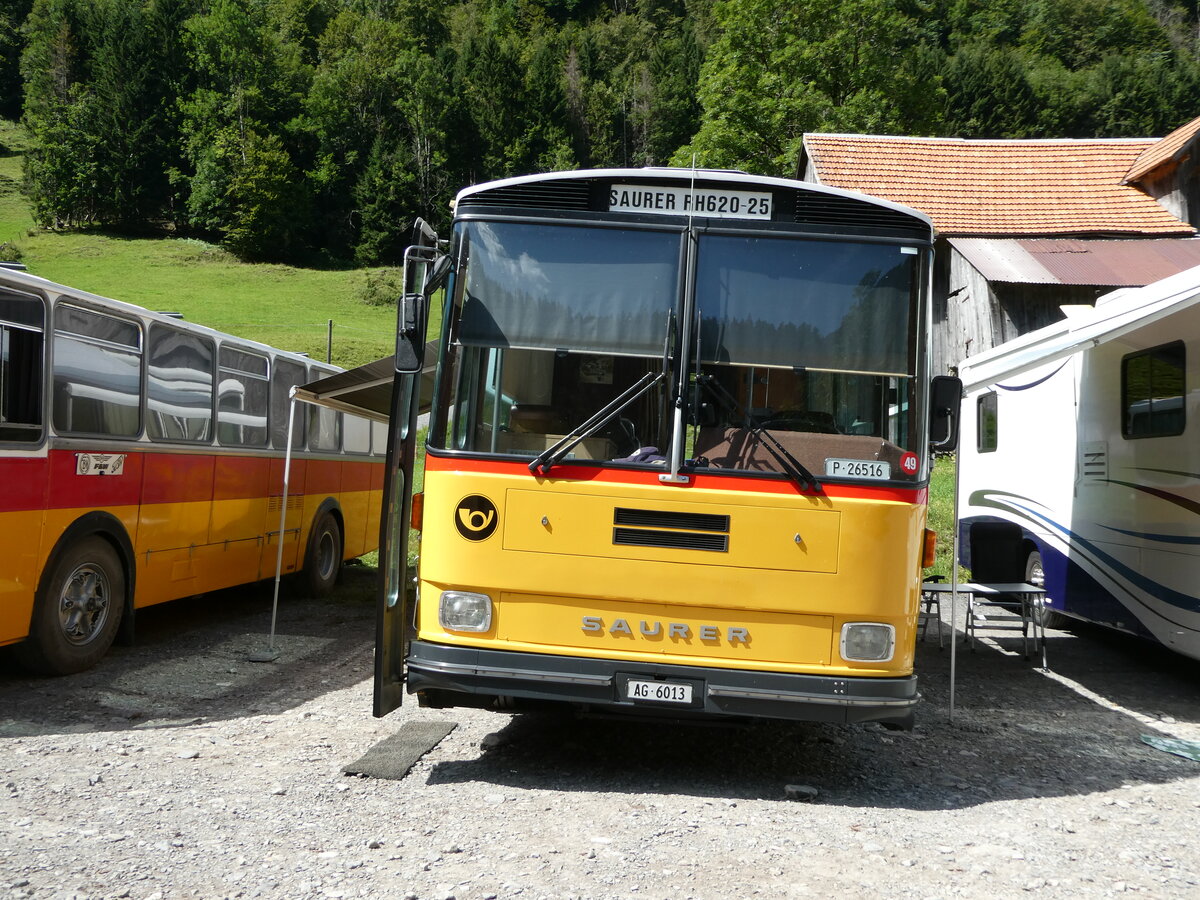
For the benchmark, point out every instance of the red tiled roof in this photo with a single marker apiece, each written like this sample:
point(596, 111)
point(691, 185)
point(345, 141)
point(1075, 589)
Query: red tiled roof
point(1162, 151)
point(1042, 187)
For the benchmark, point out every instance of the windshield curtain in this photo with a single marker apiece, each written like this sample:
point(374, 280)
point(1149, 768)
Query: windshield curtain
point(792, 303)
point(546, 287)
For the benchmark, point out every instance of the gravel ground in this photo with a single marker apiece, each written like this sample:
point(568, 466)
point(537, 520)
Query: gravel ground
point(178, 768)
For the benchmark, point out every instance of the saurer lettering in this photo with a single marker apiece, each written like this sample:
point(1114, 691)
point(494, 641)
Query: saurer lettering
point(733, 634)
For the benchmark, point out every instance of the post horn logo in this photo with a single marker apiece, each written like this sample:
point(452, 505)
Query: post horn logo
point(476, 517)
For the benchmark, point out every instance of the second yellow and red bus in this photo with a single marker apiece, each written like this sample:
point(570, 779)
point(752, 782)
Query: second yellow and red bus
point(142, 460)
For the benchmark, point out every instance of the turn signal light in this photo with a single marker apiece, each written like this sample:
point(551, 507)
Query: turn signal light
point(417, 515)
point(929, 552)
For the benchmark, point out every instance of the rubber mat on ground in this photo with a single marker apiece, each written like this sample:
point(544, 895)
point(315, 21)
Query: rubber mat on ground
point(393, 757)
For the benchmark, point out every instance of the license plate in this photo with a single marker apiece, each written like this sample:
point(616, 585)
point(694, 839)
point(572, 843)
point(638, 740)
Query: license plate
point(660, 691)
point(858, 468)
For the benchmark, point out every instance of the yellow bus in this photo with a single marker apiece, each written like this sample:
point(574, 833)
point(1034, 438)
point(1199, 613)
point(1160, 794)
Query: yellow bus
point(678, 453)
point(142, 460)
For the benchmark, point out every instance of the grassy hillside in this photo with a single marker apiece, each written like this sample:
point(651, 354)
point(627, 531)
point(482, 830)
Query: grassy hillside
point(285, 306)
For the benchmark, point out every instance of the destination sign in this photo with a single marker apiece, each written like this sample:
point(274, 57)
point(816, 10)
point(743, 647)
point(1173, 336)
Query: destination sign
point(689, 201)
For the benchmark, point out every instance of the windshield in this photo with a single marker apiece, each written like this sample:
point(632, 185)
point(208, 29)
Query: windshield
point(554, 323)
point(813, 340)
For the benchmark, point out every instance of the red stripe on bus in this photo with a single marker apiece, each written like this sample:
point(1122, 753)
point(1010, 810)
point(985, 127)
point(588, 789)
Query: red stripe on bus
point(66, 489)
point(356, 476)
point(323, 477)
point(240, 477)
point(708, 482)
point(23, 483)
point(177, 478)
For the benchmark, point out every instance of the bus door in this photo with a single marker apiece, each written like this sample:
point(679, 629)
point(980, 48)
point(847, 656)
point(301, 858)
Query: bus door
point(395, 603)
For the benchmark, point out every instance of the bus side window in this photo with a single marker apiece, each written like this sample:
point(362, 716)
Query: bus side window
point(356, 434)
point(242, 398)
point(179, 397)
point(22, 351)
point(97, 373)
point(324, 424)
point(285, 375)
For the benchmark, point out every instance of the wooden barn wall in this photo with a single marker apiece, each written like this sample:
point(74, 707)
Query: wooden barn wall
point(982, 315)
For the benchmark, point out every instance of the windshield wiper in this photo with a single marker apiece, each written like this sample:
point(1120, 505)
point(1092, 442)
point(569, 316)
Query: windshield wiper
point(794, 469)
point(548, 457)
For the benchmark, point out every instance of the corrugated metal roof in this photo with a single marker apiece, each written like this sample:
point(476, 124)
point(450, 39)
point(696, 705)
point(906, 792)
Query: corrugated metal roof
point(1034, 187)
point(1115, 263)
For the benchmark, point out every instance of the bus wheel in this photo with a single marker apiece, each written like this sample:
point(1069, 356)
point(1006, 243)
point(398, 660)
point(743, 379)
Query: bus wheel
point(323, 559)
point(1036, 575)
point(77, 611)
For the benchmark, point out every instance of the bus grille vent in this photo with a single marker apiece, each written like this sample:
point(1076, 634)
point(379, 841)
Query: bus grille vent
point(649, 518)
point(550, 195)
point(676, 530)
point(680, 540)
point(830, 211)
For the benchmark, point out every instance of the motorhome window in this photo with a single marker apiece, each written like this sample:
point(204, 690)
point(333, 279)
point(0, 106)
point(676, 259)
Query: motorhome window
point(22, 348)
point(179, 395)
point(283, 378)
point(987, 438)
point(97, 380)
point(1153, 392)
point(243, 395)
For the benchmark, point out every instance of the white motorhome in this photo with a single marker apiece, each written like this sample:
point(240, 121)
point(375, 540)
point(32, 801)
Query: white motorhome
point(1080, 463)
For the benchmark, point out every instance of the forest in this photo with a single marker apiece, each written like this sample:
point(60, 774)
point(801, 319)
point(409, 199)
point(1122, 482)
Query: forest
point(315, 131)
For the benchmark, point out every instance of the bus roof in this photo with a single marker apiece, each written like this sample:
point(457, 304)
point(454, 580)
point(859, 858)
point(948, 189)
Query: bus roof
point(671, 173)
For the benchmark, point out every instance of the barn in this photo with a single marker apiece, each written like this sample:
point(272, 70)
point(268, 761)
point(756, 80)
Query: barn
point(1027, 226)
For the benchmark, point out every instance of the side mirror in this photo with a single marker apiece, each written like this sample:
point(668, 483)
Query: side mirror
point(945, 399)
point(410, 334)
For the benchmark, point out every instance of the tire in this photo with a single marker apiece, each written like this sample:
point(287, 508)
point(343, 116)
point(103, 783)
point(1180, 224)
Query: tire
point(323, 558)
point(77, 611)
point(1036, 575)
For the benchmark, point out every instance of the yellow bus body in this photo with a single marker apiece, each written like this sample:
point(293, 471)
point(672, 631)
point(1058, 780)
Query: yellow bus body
point(797, 568)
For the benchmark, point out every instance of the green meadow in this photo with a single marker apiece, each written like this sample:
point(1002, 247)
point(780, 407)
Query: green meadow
point(285, 306)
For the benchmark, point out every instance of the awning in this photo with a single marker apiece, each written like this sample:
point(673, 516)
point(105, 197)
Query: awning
point(1113, 316)
point(367, 390)
point(1104, 263)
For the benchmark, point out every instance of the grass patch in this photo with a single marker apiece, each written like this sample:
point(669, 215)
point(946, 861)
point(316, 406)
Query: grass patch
point(941, 517)
point(285, 306)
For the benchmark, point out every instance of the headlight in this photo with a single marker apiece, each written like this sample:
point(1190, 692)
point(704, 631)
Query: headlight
point(464, 611)
point(868, 641)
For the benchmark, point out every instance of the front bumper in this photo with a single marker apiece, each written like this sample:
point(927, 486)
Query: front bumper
point(441, 672)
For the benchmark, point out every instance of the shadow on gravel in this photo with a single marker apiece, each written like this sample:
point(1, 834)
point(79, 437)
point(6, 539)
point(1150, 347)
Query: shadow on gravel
point(1017, 733)
point(190, 661)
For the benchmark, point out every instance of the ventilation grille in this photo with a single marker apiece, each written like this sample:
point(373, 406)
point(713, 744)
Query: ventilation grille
point(550, 195)
point(831, 211)
point(649, 518)
point(680, 540)
point(674, 530)
point(1093, 460)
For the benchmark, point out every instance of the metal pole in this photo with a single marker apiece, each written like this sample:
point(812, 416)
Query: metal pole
point(329, 342)
point(954, 589)
point(271, 654)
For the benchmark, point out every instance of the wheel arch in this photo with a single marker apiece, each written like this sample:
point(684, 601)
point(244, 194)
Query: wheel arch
point(107, 526)
point(328, 505)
